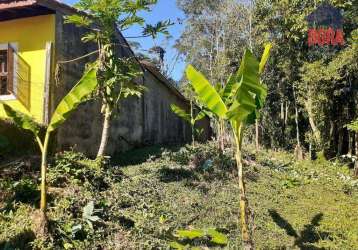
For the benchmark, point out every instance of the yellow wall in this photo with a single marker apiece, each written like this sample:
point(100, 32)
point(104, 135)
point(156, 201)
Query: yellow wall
point(31, 35)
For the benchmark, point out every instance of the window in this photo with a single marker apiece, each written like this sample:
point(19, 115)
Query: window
point(6, 70)
point(15, 75)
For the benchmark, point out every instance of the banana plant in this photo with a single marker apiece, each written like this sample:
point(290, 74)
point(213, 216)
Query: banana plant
point(79, 93)
point(189, 117)
point(239, 102)
point(214, 236)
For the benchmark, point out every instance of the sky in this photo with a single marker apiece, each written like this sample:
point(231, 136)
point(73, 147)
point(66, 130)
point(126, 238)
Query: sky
point(163, 10)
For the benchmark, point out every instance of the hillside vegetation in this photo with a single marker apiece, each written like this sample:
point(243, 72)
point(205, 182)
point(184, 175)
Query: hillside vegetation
point(142, 198)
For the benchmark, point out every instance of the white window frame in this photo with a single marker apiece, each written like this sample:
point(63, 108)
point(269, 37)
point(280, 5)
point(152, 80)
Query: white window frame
point(5, 46)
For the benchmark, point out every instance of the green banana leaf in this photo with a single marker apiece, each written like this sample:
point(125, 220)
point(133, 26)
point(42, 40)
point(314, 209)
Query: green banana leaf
point(22, 120)
point(265, 57)
point(242, 107)
point(69, 103)
point(230, 89)
point(180, 112)
point(177, 245)
point(250, 93)
point(190, 234)
point(231, 86)
point(217, 237)
point(206, 92)
point(218, 87)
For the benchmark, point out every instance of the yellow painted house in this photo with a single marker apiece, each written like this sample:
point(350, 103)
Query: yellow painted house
point(37, 69)
point(33, 39)
point(24, 47)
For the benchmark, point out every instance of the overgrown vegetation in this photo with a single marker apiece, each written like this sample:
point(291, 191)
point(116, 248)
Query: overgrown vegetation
point(297, 205)
point(77, 95)
point(189, 197)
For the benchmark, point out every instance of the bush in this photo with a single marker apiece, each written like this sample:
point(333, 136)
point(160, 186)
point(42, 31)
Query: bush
point(200, 156)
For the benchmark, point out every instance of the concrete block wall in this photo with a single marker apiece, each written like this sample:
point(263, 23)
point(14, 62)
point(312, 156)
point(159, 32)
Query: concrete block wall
point(141, 121)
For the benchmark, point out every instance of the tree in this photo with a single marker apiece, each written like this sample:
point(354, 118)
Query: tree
point(317, 82)
point(239, 103)
point(68, 104)
point(213, 39)
point(214, 36)
point(116, 75)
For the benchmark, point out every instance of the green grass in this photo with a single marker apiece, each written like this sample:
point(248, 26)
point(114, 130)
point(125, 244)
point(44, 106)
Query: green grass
point(297, 205)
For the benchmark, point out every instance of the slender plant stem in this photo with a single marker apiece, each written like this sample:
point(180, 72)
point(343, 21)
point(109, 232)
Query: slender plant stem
point(222, 134)
point(40, 144)
point(192, 124)
point(43, 202)
point(244, 209)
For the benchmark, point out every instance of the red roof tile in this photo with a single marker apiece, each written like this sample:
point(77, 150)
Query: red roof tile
point(50, 4)
point(9, 4)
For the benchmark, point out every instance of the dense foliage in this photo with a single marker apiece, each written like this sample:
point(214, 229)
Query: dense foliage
point(142, 205)
point(190, 197)
point(77, 95)
point(312, 90)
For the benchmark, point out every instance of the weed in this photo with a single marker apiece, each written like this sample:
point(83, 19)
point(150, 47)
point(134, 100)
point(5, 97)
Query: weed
point(143, 206)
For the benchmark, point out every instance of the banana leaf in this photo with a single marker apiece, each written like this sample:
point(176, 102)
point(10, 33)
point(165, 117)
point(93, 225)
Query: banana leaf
point(206, 92)
point(86, 85)
point(250, 93)
point(265, 57)
point(180, 112)
point(22, 120)
point(230, 89)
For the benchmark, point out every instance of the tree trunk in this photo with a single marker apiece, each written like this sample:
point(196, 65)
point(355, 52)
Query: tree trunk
point(257, 146)
point(316, 132)
point(340, 142)
point(244, 206)
point(286, 113)
point(283, 122)
point(298, 148)
point(350, 143)
point(331, 144)
point(356, 149)
point(105, 132)
point(282, 116)
point(356, 141)
point(193, 135)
